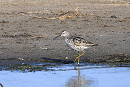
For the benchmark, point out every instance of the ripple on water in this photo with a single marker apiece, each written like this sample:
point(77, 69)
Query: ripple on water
point(68, 76)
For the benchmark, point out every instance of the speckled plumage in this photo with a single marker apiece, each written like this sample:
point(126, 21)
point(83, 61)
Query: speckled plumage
point(77, 43)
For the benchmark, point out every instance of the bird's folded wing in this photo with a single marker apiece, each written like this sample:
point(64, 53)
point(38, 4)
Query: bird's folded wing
point(81, 42)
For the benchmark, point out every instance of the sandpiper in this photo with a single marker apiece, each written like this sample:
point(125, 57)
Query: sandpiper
point(76, 43)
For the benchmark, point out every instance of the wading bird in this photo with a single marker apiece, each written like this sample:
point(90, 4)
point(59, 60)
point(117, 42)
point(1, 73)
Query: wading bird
point(76, 43)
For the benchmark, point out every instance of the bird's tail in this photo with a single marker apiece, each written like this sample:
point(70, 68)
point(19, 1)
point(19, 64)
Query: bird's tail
point(95, 45)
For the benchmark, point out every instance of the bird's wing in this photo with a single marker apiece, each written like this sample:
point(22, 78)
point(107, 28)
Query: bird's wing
point(81, 42)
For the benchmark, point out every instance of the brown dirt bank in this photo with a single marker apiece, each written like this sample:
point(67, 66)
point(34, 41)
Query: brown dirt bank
point(27, 28)
point(111, 60)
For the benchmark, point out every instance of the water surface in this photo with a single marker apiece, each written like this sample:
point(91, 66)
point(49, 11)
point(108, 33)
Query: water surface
point(68, 76)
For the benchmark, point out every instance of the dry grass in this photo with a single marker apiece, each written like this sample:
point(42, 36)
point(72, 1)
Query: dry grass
point(61, 15)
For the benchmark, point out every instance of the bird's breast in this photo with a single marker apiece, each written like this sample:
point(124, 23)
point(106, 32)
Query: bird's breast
point(71, 44)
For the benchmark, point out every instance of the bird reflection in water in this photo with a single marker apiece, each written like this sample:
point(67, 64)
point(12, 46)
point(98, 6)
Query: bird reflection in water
point(1, 85)
point(78, 81)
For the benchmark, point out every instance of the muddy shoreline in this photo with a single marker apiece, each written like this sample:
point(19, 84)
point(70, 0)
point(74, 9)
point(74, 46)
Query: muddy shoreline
point(114, 60)
point(27, 29)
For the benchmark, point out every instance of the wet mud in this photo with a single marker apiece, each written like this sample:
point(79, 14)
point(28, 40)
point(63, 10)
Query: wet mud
point(27, 29)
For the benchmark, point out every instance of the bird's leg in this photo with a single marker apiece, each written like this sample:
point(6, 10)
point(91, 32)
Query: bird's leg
point(78, 60)
point(79, 56)
point(82, 53)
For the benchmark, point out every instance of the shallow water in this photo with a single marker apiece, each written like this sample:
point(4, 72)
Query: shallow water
point(68, 76)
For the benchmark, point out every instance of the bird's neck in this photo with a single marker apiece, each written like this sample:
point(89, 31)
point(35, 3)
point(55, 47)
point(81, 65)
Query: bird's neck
point(68, 36)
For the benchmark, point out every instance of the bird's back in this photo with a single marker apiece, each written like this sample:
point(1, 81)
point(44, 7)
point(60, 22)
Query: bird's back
point(78, 43)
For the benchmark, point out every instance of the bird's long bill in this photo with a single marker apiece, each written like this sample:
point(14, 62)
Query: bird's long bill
point(56, 37)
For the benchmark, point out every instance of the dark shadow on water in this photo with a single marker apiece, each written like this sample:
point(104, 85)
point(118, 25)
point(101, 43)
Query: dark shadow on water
point(48, 64)
point(57, 60)
point(79, 80)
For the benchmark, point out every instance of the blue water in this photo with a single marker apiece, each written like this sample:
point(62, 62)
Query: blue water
point(69, 76)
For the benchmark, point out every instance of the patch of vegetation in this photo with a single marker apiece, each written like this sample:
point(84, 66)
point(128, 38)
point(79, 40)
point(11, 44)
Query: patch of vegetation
point(29, 68)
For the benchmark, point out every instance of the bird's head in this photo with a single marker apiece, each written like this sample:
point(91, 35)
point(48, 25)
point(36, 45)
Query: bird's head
point(65, 33)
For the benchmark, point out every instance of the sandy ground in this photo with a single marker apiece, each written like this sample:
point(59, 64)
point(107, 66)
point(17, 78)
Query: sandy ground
point(27, 28)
